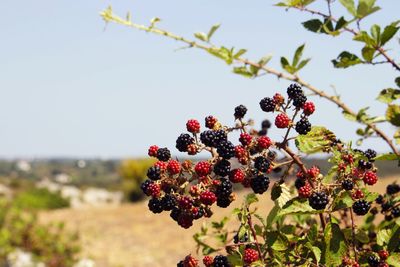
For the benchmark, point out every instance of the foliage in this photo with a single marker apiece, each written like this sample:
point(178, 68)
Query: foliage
point(39, 198)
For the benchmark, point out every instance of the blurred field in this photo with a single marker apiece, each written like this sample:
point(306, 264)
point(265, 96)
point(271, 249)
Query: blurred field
point(130, 235)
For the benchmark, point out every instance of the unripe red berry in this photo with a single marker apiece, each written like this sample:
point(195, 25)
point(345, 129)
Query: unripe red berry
point(279, 99)
point(383, 254)
point(264, 142)
point(210, 122)
point(202, 168)
point(192, 149)
point(153, 151)
point(185, 202)
point(250, 255)
point(193, 126)
point(236, 176)
point(355, 264)
point(207, 198)
point(313, 172)
point(282, 121)
point(383, 264)
point(370, 178)
point(305, 191)
point(358, 194)
point(308, 108)
point(173, 167)
point(208, 261)
point(300, 174)
point(245, 139)
point(153, 190)
point(161, 164)
point(190, 261)
point(240, 152)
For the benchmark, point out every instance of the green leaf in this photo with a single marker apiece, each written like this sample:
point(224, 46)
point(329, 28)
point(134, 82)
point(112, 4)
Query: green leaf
point(349, 5)
point(366, 7)
point(368, 53)
point(383, 236)
point(242, 70)
point(340, 23)
point(317, 140)
point(397, 81)
point(211, 32)
point(388, 156)
point(316, 251)
point(251, 198)
point(394, 259)
point(297, 206)
point(388, 95)
point(335, 245)
point(276, 241)
point(362, 236)
point(153, 22)
point(393, 114)
point(349, 116)
point(302, 64)
point(284, 195)
point(394, 241)
point(314, 25)
point(376, 33)
point(388, 34)
point(286, 66)
point(346, 59)
point(239, 53)
point(297, 55)
point(222, 53)
point(235, 259)
point(365, 38)
point(273, 216)
point(342, 200)
point(201, 36)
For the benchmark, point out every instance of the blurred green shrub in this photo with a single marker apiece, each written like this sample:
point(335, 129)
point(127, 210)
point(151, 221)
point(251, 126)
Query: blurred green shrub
point(133, 172)
point(50, 244)
point(39, 198)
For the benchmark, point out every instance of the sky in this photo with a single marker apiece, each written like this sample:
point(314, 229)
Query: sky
point(71, 87)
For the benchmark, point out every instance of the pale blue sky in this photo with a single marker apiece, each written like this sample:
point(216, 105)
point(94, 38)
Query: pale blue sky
point(68, 88)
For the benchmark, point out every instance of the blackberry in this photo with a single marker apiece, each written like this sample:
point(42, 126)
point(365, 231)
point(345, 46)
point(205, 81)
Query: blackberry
point(240, 111)
point(267, 104)
point(155, 205)
point(299, 183)
point(361, 207)
point(388, 217)
point(175, 213)
point(224, 189)
point(199, 214)
point(266, 124)
point(373, 260)
point(183, 141)
point(221, 261)
point(262, 132)
point(163, 154)
point(386, 206)
point(299, 100)
point(154, 173)
point(180, 264)
point(318, 200)
point(303, 126)
point(222, 168)
point(262, 164)
point(223, 201)
point(392, 189)
point(145, 185)
point(219, 136)
point(207, 138)
point(294, 90)
point(168, 202)
point(370, 154)
point(259, 184)
point(379, 199)
point(396, 212)
point(347, 184)
point(226, 149)
point(365, 165)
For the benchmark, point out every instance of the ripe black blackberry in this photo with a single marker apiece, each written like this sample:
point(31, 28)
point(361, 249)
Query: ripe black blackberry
point(223, 201)
point(262, 132)
point(267, 104)
point(370, 154)
point(183, 141)
point(221, 261)
point(199, 214)
point(240, 111)
point(154, 173)
point(379, 199)
point(207, 138)
point(168, 202)
point(163, 154)
point(373, 261)
point(219, 136)
point(293, 90)
point(266, 124)
point(259, 184)
point(175, 213)
point(155, 205)
point(299, 100)
point(262, 164)
point(393, 189)
point(388, 217)
point(226, 149)
point(299, 183)
point(365, 165)
point(396, 212)
point(145, 185)
point(224, 189)
point(180, 264)
point(361, 207)
point(303, 126)
point(347, 184)
point(222, 168)
point(386, 206)
point(318, 200)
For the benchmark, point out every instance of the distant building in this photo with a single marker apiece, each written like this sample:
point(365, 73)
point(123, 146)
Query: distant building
point(23, 165)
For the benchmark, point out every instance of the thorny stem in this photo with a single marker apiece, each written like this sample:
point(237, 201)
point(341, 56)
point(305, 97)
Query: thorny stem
point(109, 16)
point(254, 234)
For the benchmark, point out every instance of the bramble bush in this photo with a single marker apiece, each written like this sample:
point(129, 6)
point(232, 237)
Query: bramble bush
point(322, 219)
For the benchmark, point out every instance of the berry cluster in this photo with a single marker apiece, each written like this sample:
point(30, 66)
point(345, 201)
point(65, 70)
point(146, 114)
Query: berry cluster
point(208, 261)
point(389, 202)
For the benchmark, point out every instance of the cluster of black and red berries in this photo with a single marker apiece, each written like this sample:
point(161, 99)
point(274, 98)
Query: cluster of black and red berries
point(380, 260)
point(298, 100)
point(389, 203)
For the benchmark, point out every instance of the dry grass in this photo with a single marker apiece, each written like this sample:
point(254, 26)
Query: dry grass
point(130, 235)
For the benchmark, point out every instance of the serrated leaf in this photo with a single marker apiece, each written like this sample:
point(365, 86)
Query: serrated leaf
point(211, 32)
point(316, 140)
point(394, 259)
point(393, 114)
point(383, 236)
point(342, 200)
point(335, 245)
point(345, 60)
point(297, 206)
point(276, 241)
point(387, 156)
point(314, 25)
point(388, 95)
point(349, 5)
point(284, 196)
